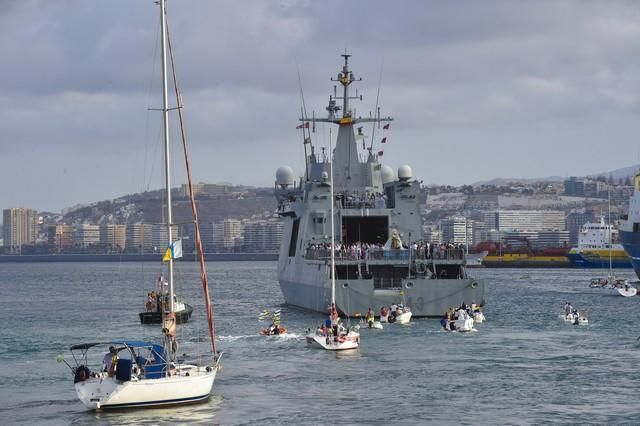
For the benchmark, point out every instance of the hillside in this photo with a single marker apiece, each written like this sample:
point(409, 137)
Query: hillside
point(148, 207)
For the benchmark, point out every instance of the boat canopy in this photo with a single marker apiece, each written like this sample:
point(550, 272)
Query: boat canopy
point(128, 343)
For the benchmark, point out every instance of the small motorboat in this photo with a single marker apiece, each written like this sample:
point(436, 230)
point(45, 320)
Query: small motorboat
point(160, 306)
point(478, 317)
point(582, 319)
point(273, 331)
point(627, 290)
point(599, 283)
point(403, 315)
point(464, 325)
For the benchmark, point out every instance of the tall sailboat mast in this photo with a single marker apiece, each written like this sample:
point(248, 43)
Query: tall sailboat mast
point(167, 163)
point(333, 229)
point(610, 229)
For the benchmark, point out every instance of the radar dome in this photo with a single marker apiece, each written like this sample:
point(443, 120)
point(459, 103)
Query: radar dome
point(325, 176)
point(284, 176)
point(404, 173)
point(387, 174)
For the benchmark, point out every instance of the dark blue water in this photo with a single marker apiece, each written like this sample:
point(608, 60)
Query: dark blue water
point(523, 366)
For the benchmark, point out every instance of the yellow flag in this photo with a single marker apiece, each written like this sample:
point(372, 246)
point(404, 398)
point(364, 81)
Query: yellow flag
point(167, 255)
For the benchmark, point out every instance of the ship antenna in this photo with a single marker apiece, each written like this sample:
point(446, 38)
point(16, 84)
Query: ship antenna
point(373, 125)
point(307, 134)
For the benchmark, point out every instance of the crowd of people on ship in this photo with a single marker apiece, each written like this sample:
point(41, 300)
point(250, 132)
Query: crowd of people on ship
point(355, 200)
point(368, 251)
point(462, 312)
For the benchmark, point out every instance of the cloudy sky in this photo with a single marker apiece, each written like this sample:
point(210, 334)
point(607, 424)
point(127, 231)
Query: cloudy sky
point(478, 89)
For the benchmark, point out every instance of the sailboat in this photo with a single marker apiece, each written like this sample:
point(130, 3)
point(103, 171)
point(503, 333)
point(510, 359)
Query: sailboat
point(622, 286)
point(138, 374)
point(333, 336)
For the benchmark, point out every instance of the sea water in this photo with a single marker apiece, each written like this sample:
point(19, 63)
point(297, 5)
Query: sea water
point(524, 365)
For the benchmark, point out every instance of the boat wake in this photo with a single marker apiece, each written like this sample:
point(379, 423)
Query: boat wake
point(234, 338)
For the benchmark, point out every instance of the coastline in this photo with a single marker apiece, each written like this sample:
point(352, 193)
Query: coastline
point(211, 257)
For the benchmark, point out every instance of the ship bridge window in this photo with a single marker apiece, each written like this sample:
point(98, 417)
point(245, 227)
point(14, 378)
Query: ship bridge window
point(367, 229)
point(318, 219)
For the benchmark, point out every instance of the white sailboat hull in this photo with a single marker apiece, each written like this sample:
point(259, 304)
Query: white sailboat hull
point(328, 343)
point(108, 392)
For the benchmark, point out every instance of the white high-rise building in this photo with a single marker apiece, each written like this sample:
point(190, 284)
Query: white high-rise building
point(139, 238)
point(232, 231)
point(86, 235)
point(262, 236)
point(458, 230)
point(525, 220)
point(113, 237)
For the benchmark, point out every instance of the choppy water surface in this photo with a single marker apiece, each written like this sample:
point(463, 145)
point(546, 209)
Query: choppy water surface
point(523, 366)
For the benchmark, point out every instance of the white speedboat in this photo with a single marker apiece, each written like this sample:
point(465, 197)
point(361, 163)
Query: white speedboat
point(478, 317)
point(576, 318)
point(627, 290)
point(404, 317)
point(464, 325)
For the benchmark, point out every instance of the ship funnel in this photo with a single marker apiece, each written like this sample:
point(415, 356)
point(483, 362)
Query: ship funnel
point(404, 173)
point(284, 177)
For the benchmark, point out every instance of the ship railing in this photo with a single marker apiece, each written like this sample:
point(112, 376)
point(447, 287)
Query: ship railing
point(322, 253)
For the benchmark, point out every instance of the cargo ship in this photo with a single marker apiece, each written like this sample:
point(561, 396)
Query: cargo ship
point(506, 257)
point(597, 248)
point(629, 230)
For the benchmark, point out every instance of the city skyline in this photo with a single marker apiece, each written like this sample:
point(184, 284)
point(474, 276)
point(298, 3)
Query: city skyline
point(477, 92)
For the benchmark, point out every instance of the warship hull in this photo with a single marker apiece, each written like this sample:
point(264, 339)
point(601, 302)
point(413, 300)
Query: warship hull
point(310, 289)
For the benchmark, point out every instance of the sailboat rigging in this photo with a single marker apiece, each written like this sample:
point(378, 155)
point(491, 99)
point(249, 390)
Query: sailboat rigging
point(137, 374)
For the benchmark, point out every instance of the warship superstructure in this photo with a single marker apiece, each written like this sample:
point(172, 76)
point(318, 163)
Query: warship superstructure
point(381, 256)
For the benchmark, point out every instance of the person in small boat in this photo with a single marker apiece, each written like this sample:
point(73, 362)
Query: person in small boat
point(567, 308)
point(384, 313)
point(110, 361)
point(394, 310)
point(370, 317)
point(444, 322)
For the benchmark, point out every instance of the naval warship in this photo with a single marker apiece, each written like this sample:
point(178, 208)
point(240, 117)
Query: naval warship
point(381, 257)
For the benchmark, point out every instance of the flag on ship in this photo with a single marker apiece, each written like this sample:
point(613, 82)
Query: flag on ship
point(303, 126)
point(386, 126)
point(173, 252)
